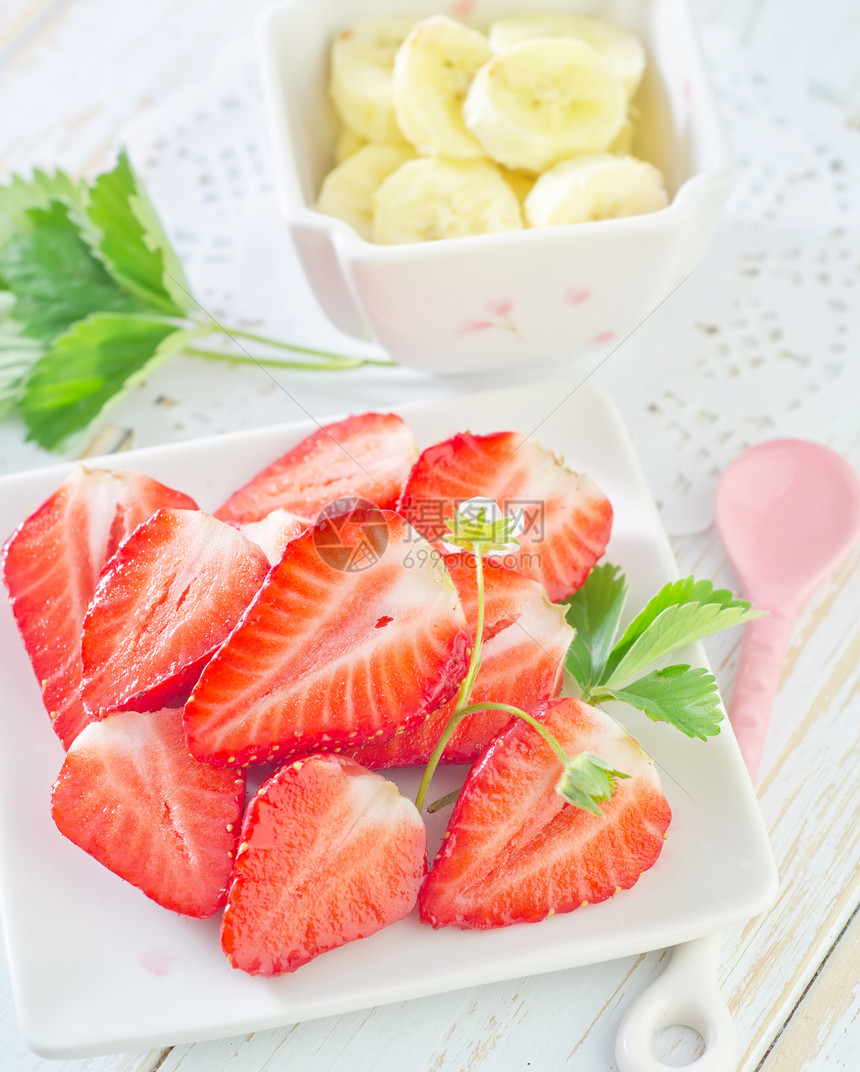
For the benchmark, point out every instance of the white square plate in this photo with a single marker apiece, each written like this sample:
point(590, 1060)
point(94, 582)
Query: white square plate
point(96, 967)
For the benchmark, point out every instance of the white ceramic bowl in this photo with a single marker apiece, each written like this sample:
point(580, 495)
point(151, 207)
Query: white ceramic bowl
point(524, 298)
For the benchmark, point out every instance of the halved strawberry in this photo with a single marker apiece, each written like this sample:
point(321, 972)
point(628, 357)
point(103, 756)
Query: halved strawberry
point(51, 566)
point(165, 602)
point(357, 630)
point(567, 517)
point(330, 853)
point(131, 796)
point(363, 457)
point(516, 852)
point(274, 532)
point(525, 641)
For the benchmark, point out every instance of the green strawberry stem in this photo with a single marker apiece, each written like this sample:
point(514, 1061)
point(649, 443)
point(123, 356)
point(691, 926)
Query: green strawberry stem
point(240, 333)
point(330, 360)
point(596, 695)
point(451, 725)
point(526, 717)
point(464, 692)
point(463, 707)
point(332, 365)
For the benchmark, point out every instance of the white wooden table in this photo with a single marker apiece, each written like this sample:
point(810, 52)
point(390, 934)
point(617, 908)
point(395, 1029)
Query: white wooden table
point(72, 74)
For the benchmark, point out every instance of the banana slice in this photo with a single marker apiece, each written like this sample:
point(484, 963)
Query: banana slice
point(348, 142)
point(621, 49)
point(623, 144)
point(432, 73)
point(544, 100)
point(428, 198)
point(362, 61)
point(347, 191)
point(519, 181)
point(600, 187)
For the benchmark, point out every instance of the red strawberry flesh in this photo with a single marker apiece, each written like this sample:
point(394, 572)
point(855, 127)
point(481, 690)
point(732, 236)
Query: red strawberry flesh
point(525, 641)
point(51, 568)
point(330, 853)
point(515, 851)
point(357, 630)
point(165, 602)
point(274, 532)
point(568, 519)
point(131, 796)
point(367, 456)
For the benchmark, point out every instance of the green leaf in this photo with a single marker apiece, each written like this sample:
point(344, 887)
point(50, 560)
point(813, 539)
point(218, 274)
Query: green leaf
point(594, 611)
point(88, 367)
point(481, 534)
point(18, 354)
point(127, 236)
point(687, 697)
point(681, 613)
point(19, 195)
point(588, 781)
point(54, 276)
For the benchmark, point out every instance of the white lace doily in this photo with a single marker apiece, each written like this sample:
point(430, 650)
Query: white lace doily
point(762, 341)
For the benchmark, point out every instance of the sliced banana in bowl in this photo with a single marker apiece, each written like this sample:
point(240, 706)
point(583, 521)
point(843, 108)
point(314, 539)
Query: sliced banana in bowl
point(534, 92)
point(400, 252)
point(428, 199)
point(545, 100)
point(622, 50)
point(600, 187)
point(432, 73)
point(348, 190)
point(362, 66)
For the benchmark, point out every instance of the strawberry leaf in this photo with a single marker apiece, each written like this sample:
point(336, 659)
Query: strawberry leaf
point(127, 236)
point(588, 781)
point(18, 354)
point(19, 195)
point(594, 611)
point(54, 276)
point(92, 364)
point(682, 612)
point(685, 696)
point(479, 526)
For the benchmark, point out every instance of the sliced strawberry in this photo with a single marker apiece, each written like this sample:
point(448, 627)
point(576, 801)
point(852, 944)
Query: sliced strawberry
point(357, 630)
point(525, 641)
point(165, 602)
point(131, 796)
point(515, 851)
point(275, 531)
point(567, 518)
point(330, 853)
point(51, 566)
point(363, 457)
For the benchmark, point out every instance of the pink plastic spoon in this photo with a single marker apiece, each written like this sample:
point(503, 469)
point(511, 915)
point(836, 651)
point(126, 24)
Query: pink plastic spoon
point(788, 512)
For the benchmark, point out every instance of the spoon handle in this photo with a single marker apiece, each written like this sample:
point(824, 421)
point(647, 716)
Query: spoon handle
point(761, 660)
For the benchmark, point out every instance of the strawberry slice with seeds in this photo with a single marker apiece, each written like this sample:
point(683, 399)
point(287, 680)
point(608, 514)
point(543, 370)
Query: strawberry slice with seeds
point(567, 518)
point(165, 602)
point(274, 532)
point(131, 796)
point(51, 566)
point(515, 851)
point(357, 630)
point(330, 853)
point(525, 641)
point(367, 457)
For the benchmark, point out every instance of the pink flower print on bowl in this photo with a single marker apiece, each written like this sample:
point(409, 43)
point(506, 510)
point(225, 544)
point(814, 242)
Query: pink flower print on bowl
point(462, 9)
point(500, 310)
point(577, 295)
